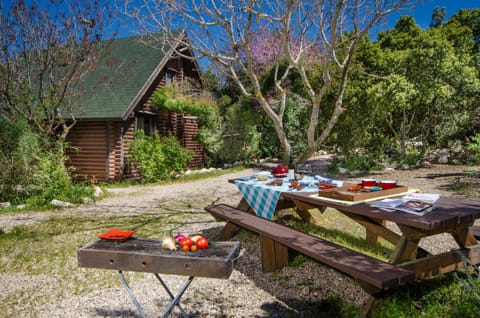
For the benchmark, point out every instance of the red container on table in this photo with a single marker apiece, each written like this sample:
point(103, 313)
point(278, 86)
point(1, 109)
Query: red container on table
point(369, 182)
point(388, 184)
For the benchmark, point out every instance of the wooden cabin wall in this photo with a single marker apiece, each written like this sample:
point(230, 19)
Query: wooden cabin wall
point(89, 155)
point(102, 150)
point(190, 131)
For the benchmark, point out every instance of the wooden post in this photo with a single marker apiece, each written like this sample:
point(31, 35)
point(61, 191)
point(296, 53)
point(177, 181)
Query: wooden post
point(274, 255)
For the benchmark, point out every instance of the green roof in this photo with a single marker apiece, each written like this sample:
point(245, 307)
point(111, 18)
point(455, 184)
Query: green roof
point(117, 79)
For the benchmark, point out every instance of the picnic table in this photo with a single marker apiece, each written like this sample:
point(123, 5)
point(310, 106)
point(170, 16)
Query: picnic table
point(454, 216)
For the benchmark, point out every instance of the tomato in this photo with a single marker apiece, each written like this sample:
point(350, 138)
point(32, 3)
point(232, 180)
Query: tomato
point(185, 241)
point(193, 248)
point(202, 243)
point(186, 248)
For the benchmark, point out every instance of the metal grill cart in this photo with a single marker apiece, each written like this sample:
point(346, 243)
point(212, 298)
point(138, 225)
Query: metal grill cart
point(147, 255)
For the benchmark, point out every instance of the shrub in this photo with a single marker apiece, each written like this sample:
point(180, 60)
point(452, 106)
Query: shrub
point(52, 181)
point(19, 148)
point(159, 158)
point(357, 161)
point(474, 147)
point(240, 139)
point(33, 168)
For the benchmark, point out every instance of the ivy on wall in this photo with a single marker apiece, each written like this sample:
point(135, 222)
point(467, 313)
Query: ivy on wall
point(177, 99)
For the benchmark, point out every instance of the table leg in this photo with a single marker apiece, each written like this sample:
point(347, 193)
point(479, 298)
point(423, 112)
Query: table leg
point(230, 229)
point(170, 292)
point(406, 250)
point(130, 293)
point(175, 298)
point(464, 237)
point(302, 210)
point(372, 236)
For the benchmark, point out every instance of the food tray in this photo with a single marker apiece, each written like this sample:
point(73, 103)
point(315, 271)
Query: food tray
point(341, 193)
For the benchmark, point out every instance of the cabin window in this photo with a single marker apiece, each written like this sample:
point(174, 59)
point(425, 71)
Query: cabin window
point(147, 124)
point(169, 77)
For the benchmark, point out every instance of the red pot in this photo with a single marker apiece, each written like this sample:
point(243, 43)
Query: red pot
point(280, 171)
point(369, 182)
point(388, 184)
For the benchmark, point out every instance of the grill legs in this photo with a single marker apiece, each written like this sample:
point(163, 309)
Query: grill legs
point(175, 298)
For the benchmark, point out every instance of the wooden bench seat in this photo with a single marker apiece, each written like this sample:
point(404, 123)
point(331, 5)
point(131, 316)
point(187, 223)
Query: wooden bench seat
point(372, 274)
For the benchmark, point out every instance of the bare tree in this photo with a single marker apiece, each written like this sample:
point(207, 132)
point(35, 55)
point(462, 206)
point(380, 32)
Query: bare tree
point(44, 52)
point(225, 32)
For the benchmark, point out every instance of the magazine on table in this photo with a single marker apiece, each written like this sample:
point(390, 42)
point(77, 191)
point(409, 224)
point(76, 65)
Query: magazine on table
point(415, 203)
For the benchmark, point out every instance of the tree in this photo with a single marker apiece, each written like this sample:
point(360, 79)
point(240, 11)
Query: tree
point(226, 32)
point(438, 17)
point(44, 53)
point(431, 88)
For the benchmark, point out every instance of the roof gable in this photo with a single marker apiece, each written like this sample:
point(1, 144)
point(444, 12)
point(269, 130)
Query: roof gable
point(113, 86)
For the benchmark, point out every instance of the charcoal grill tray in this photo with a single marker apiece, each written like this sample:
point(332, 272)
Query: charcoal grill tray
point(147, 255)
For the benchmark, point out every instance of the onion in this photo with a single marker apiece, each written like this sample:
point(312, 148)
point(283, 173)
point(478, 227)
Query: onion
point(169, 243)
point(178, 237)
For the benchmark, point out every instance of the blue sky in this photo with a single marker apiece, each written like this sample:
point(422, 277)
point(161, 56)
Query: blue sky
point(423, 13)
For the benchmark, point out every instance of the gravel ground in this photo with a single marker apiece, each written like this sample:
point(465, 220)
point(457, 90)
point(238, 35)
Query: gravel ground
point(292, 292)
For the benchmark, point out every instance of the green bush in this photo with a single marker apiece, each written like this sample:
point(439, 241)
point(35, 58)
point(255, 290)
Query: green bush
point(358, 161)
point(474, 147)
point(33, 169)
point(51, 180)
point(240, 139)
point(159, 158)
point(19, 148)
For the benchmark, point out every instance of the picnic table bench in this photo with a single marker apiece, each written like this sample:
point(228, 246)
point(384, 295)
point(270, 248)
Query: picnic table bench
point(373, 275)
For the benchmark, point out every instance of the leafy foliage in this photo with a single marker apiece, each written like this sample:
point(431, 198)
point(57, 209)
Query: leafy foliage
point(33, 170)
point(159, 158)
point(412, 85)
point(474, 147)
point(181, 98)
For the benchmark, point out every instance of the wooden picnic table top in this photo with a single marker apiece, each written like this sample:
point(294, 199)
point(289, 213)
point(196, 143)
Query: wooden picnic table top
point(451, 213)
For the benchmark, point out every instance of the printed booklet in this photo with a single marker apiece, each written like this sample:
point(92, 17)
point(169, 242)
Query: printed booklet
point(415, 203)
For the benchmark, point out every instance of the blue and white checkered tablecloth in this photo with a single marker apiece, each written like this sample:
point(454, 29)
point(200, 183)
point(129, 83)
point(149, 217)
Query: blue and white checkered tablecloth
point(263, 198)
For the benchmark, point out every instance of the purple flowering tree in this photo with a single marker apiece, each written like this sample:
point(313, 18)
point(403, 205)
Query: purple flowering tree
point(243, 37)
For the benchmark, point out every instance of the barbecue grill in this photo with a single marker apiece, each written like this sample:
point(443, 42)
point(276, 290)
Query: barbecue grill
point(147, 255)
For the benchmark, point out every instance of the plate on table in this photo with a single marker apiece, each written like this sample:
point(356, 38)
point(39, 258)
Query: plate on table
point(283, 175)
point(116, 235)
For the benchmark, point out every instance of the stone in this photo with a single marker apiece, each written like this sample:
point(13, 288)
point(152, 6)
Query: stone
point(21, 206)
point(56, 202)
point(342, 170)
point(305, 290)
point(443, 160)
point(426, 164)
point(97, 192)
point(86, 200)
point(405, 166)
point(5, 205)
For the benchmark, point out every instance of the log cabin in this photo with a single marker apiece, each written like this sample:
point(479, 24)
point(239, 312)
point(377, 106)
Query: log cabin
point(115, 102)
